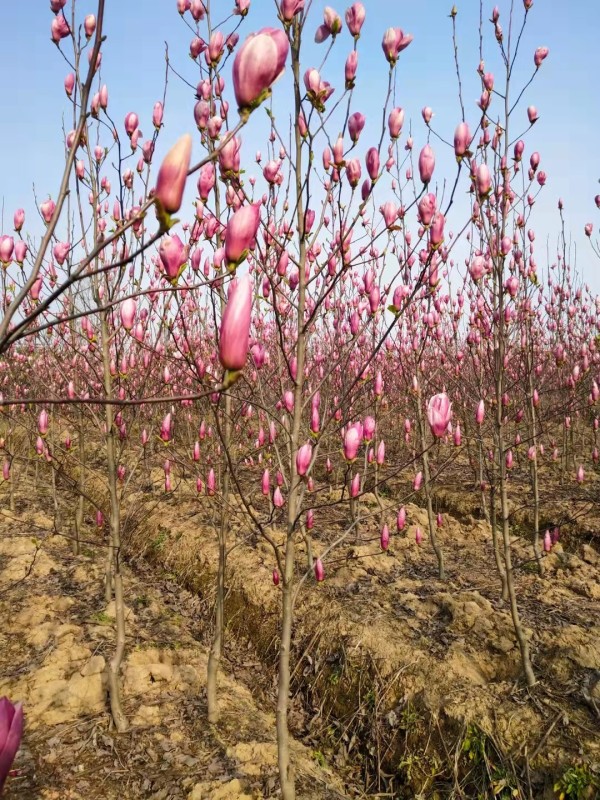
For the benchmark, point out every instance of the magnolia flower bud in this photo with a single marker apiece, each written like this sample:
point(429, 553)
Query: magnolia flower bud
point(480, 413)
point(462, 139)
point(384, 539)
point(426, 164)
point(89, 25)
point(539, 55)
point(303, 458)
point(241, 232)
point(352, 439)
point(319, 570)
point(11, 732)
point(235, 325)
point(395, 122)
point(128, 309)
point(172, 175)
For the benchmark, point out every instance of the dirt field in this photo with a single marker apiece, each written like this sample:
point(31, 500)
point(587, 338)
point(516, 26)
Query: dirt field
point(403, 685)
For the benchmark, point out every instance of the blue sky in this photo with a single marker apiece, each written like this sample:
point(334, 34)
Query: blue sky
point(565, 90)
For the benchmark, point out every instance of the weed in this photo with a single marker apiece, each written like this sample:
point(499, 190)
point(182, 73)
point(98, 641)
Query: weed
point(577, 783)
point(488, 770)
point(409, 718)
point(102, 618)
point(161, 537)
point(474, 744)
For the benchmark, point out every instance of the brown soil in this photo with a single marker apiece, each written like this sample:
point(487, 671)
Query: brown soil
point(56, 637)
point(403, 686)
point(394, 667)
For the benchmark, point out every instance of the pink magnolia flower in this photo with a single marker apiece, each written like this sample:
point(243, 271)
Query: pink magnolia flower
point(59, 29)
point(319, 570)
point(173, 256)
point(480, 413)
point(394, 41)
point(547, 542)
point(427, 207)
point(389, 211)
point(43, 422)
point(172, 175)
point(47, 209)
point(259, 62)
point(483, 180)
point(384, 539)
point(235, 325)
point(462, 139)
point(426, 164)
point(378, 384)
point(368, 428)
point(242, 7)
point(166, 428)
point(303, 458)
point(131, 123)
point(439, 414)
point(332, 25)
point(89, 25)
point(395, 122)
point(128, 309)
point(540, 54)
point(477, 268)
point(289, 8)
point(265, 483)
point(19, 219)
point(317, 90)
point(457, 435)
point(7, 246)
point(355, 17)
point(372, 163)
point(436, 231)
point(211, 483)
point(401, 519)
point(353, 172)
point(11, 732)
point(288, 401)
point(241, 232)
point(214, 51)
point(352, 439)
point(356, 122)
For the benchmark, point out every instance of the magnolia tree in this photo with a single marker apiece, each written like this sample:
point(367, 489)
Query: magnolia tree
point(306, 334)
